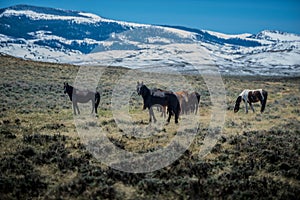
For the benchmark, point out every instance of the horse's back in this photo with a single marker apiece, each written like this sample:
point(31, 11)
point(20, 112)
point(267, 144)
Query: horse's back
point(82, 92)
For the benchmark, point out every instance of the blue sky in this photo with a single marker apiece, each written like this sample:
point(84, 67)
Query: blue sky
point(226, 16)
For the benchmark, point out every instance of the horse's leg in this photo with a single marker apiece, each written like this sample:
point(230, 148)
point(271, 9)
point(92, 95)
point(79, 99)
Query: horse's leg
point(74, 108)
point(176, 116)
point(262, 105)
point(251, 106)
point(246, 107)
point(185, 107)
point(158, 108)
point(95, 109)
point(161, 109)
point(170, 113)
point(150, 117)
point(263, 101)
point(152, 113)
point(93, 106)
point(192, 109)
point(97, 102)
point(164, 110)
point(169, 118)
point(77, 108)
point(75, 105)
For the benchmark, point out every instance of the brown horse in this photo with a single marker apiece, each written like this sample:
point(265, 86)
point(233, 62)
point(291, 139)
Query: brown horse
point(82, 96)
point(252, 96)
point(188, 102)
point(183, 100)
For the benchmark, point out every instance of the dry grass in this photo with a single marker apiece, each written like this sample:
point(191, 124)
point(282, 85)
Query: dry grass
point(42, 155)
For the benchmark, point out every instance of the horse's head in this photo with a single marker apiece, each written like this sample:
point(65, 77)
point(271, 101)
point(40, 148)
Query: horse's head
point(142, 89)
point(139, 87)
point(237, 104)
point(66, 85)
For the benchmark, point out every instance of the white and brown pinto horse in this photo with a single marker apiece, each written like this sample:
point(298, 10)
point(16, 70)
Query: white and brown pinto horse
point(252, 96)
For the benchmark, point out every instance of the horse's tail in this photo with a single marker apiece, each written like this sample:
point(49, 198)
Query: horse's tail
point(198, 97)
point(97, 101)
point(173, 105)
point(264, 101)
point(198, 102)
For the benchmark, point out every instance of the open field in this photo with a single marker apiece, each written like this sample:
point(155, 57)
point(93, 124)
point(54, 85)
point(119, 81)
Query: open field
point(43, 157)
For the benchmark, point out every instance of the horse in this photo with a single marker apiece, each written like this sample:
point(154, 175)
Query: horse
point(183, 100)
point(193, 102)
point(169, 100)
point(160, 93)
point(82, 96)
point(252, 96)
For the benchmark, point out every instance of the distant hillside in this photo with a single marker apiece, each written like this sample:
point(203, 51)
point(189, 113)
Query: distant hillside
point(65, 36)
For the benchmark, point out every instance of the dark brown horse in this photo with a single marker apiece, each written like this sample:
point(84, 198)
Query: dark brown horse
point(82, 96)
point(160, 93)
point(168, 100)
point(252, 96)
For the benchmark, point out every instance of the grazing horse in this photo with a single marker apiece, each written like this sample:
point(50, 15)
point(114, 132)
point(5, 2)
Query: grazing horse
point(82, 96)
point(252, 96)
point(193, 102)
point(169, 100)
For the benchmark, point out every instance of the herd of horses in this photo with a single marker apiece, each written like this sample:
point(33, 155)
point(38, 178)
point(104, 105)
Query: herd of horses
point(173, 103)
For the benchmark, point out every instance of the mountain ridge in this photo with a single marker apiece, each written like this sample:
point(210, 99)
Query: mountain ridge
point(67, 36)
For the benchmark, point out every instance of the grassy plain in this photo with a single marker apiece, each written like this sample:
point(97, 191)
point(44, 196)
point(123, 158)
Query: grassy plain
point(43, 157)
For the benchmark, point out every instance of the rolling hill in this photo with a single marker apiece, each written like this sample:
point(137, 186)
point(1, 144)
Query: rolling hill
point(65, 36)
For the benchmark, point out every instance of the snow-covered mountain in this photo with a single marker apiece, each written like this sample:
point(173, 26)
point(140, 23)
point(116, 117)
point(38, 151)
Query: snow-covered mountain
point(64, 36)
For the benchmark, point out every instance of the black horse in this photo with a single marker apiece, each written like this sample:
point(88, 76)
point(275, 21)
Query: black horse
point(82, 96)
point(168, 100)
